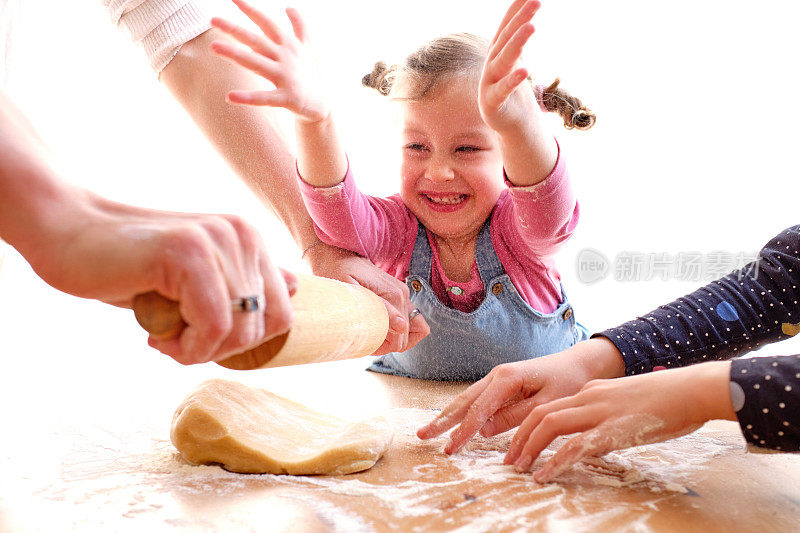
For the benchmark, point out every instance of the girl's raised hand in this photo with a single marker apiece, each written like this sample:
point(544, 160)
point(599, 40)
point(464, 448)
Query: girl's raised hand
point(284, 59)
point(501, 104)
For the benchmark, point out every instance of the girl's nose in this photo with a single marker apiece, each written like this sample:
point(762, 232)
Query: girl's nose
point(439, 170)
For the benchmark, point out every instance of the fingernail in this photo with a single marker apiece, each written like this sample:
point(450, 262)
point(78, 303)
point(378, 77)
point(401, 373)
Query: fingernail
point(541, 475)
point(291, 285)
point(523, 464)
point(448, 448)
point(451, 448)
point(511, 455)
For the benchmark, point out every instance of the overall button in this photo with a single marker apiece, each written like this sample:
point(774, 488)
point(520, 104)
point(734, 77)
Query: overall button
point(416, 285)
point(497, 288)
point(567, 314)
point(458, 291)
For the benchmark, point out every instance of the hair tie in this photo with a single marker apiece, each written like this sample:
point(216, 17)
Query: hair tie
point(539, 90)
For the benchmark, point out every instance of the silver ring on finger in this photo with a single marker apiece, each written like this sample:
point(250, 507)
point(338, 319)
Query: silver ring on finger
point(414, 312)
point(248, 304)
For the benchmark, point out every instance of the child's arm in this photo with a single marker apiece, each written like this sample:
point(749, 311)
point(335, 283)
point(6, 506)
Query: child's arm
point(286, 61)
point(541, 217)
point(727, 318)
point(631, 411)
point(613, 414)
point(509, 106)
point(376, 228)
point(343, 216)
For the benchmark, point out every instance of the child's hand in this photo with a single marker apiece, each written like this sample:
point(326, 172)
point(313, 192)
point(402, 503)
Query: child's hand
point(504, 398)
point(613, 414)
point(503, 103)
point(283, 59)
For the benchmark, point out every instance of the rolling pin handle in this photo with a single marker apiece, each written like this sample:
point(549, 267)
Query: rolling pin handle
point(159, 316)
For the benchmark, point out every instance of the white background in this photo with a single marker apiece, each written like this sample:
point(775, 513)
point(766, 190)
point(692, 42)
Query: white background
point(694, 150)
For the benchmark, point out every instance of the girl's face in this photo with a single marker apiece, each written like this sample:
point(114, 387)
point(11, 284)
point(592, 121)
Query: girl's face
point(452, 171)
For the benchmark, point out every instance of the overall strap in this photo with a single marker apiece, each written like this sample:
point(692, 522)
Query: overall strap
point(489, 266)
point(421, 256)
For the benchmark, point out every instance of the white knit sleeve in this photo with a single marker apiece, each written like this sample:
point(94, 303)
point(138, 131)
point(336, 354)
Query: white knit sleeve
point(161, 27)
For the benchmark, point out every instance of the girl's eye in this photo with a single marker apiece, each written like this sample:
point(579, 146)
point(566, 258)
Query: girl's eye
point(467, 149)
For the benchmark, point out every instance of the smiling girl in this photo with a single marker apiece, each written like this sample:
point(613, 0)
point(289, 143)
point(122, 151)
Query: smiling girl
point(485, 199)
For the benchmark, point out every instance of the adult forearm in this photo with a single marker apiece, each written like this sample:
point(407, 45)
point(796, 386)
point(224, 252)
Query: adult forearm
point(34, 202)
point(247, 137)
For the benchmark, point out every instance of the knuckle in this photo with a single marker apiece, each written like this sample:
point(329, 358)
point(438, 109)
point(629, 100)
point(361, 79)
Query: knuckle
point(404, 291)
point(539, 413)
point(551, 421)
point(504, 371)
point(187, 241)
point(594, 386)
point(245, 336)
point(219, 229)
point(218, 326)
point(247, 234)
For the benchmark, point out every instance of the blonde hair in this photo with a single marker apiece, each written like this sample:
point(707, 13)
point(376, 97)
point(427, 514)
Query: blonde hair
point(459, 54)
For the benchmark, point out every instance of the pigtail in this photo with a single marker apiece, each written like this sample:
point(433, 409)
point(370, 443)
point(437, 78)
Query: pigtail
point(380, 78)
point(571, 109)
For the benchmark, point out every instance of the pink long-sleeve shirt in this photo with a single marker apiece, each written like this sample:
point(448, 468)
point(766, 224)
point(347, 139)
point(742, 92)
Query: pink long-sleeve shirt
point(528, 225)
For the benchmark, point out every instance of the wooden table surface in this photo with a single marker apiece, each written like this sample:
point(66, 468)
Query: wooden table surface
point(97, 470)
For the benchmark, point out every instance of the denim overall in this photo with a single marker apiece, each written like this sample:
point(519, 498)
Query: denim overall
point(466, 346)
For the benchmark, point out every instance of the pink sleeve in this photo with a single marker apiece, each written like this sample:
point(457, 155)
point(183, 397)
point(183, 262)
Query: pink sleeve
point(345, 217)
point(541, 217)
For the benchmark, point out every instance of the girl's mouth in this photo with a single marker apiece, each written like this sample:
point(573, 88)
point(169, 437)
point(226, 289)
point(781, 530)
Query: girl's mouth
point(449, 202)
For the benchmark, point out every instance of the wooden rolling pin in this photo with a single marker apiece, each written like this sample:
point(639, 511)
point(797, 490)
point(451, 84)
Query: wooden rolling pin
point(332, 320)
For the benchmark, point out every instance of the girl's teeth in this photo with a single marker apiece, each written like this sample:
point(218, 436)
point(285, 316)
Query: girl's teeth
point(446, 200)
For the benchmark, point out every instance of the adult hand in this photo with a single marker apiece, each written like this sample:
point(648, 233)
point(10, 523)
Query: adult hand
point(503, 100)
point(613, 414)
point(505, 397)
point(285, 60)
point(112, 252)
point(91, 247)
point(331, 262)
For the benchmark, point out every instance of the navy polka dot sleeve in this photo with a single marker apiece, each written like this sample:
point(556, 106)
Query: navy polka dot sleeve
point(766, 393)
point(727, 318)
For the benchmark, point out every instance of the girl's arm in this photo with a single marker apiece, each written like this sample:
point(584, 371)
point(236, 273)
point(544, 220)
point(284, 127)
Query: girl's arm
point(379, 229)
point(541, 217)
point(286, 61)
point(508, 103)
point(343, 216)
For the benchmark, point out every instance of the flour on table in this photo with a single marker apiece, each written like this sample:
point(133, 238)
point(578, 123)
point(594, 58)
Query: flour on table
point(414, 483)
